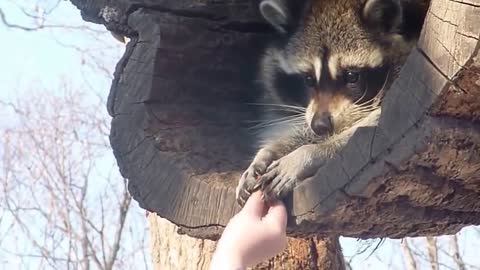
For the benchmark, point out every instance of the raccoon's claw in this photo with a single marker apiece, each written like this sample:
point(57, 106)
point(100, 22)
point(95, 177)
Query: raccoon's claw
point(248, 183)
point(277, 182)
point(283, 175)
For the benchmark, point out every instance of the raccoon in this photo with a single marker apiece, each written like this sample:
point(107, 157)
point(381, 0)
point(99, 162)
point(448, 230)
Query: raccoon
point(328, 71)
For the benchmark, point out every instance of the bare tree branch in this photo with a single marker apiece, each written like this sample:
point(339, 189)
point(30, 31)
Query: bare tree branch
point(51, 175)
point(122, 215)
point(42, 25)
point(432, 252)
point(455, 253)
point(410, 263)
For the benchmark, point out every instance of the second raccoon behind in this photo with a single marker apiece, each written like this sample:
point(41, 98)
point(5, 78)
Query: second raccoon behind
point(327, 72)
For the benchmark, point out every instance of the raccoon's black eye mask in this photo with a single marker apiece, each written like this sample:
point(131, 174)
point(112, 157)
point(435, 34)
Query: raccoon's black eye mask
point(292, 88)
point(365, 83)
point(309, 80)
point(361, 84)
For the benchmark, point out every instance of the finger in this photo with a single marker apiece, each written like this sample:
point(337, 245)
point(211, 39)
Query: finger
point(277, 214)
point(254, 205)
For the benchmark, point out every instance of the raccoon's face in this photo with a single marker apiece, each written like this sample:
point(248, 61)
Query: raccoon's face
point(335, 59)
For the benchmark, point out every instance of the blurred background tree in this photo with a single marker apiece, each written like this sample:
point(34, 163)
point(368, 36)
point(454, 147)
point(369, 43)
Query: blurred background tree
point(63, 203)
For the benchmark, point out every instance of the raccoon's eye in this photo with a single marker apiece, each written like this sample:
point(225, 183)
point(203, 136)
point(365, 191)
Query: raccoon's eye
point(309, 80)
point(351, 76)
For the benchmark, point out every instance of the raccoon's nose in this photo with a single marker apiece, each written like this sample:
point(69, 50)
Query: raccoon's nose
point(322, 123)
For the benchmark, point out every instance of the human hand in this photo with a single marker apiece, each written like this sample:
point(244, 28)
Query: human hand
point(253, 235)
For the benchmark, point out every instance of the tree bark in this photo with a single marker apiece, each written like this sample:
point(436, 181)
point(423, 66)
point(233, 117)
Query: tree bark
point(310, 253)
point(179, 133)
point(171, 250)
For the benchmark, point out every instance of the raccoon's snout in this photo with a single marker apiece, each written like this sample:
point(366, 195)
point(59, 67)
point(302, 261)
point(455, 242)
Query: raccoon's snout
point(322, 123)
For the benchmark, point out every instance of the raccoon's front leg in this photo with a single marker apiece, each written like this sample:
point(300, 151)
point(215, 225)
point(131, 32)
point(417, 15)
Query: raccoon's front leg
point(285, 173)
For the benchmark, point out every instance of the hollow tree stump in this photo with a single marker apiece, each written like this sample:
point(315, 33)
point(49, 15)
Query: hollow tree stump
point(179, 128)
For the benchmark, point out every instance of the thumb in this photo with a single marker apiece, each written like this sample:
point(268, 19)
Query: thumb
point(254, 205)
point(277, 215)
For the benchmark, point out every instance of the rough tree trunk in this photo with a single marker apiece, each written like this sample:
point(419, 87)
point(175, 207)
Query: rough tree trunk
point(179, 134)
point(171, 250)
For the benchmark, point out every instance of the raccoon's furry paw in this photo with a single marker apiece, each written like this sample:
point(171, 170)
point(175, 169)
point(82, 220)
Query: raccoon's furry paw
point(283, 175)
point(248, 181)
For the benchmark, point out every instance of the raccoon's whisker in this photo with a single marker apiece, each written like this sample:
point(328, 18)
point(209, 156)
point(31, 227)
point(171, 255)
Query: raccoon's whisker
point(292, 122)
point(362, 110)
point(277, 119)
point(367, 102)
point(379, 93)
point(286, 122)
point(270, 123)
point(385, 82)
point(282, 119)
point(300, 109)
point(277, 104)
point(357, 113)
point(372, 100)
point(355, 110)
point(364, 107)
point(289, 110)
point(360, 98)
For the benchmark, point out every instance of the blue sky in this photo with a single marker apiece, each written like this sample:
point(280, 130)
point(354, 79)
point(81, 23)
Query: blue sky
point(39, 57)
point(34, 61)
point(34, 55)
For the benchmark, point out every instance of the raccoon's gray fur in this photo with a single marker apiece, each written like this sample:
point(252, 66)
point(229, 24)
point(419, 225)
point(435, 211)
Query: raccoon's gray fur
point(323, 77)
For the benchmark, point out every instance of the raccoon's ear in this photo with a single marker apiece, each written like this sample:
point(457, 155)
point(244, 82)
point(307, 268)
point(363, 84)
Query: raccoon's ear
point(277, 13)
point(383, 15)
